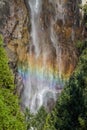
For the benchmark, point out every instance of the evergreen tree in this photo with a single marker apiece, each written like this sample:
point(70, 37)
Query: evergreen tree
point(70, 112)
point(10, 115)
point(36, 121)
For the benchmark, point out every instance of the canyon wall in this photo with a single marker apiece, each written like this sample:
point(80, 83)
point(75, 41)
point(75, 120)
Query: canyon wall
point(40, 38)
point(14, 28)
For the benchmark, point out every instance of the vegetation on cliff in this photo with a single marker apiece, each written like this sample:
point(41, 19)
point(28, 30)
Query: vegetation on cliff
point(10, 115)
point(70, 112)
point(36, 121)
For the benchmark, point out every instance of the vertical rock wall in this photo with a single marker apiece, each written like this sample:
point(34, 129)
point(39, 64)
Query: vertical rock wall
point(15, 26)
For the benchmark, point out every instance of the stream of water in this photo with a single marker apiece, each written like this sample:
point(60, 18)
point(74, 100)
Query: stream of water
point(43, 81)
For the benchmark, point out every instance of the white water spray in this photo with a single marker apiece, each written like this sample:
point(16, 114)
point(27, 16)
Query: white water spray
point(43, 81)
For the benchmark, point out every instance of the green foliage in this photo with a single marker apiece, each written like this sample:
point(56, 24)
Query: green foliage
point(36, 121)
point(80, 46)
point(40, 118)
point(85, 14)
point(29, 118)
point(10, 116)
point(6, 78)
point(49, 125)
point(82, 124)
point(85, 8)
point(70, 112)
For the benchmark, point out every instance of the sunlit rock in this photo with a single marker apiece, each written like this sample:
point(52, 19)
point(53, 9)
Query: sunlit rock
point(40, 38)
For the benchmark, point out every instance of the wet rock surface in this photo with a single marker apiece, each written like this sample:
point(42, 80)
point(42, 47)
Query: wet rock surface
point(15, 25)
point(65, 17)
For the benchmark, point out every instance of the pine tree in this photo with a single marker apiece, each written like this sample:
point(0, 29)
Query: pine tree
point(70, 112)
point(10, 115)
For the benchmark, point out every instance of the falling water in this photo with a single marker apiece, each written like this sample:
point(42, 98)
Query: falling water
point(42, 80)
point(35, 6)
point(83, 3)
point(54, 38)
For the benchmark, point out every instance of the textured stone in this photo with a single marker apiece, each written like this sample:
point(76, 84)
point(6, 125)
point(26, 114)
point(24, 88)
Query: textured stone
point(16, 28)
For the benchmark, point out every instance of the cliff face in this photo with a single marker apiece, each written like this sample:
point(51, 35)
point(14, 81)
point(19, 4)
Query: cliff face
point(61, 22)
point(40, 35)
point(14, 27)
point(56, 26)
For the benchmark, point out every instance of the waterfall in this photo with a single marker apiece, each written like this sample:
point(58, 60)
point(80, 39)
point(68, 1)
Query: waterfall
point(43, 78)
point(35, 6)
point(83, 3)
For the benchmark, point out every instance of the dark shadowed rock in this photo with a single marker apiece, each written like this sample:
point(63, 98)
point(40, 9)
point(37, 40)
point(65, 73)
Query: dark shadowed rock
point(4, 12)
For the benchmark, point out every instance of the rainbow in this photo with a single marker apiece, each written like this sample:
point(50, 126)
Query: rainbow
point(42, 70)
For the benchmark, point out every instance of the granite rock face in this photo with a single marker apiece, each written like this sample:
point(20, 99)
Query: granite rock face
point(64, 18)
point(4, 13)
point(15, 26)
